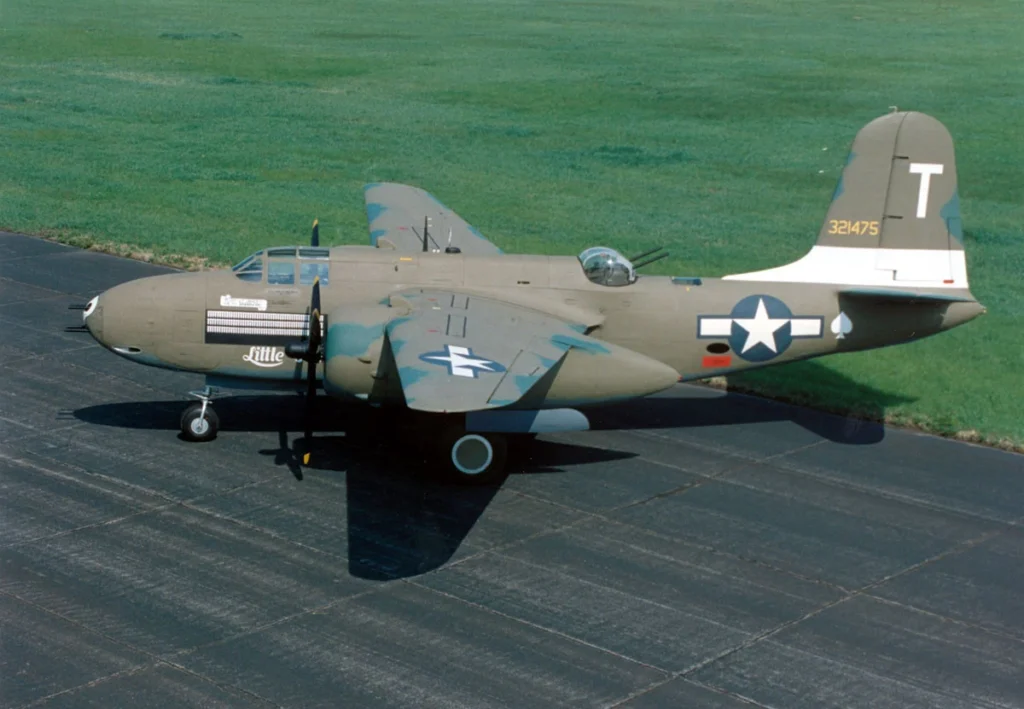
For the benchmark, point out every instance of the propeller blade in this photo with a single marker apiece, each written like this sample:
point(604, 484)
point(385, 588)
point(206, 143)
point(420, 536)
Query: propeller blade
point(315, 241)
point(312, 357)
point(315, 331)
point(310, 394)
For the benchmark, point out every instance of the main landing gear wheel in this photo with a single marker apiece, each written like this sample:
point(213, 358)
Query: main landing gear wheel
point(474, 458)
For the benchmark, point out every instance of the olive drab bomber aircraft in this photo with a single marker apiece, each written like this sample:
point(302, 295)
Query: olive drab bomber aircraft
point(434, 318)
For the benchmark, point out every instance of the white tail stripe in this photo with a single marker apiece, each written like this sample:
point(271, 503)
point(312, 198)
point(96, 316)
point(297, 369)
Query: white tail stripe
point(849, 266)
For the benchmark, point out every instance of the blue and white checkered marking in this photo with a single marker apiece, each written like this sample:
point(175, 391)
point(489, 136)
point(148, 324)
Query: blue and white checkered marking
point(759, 328)
point(461, 362)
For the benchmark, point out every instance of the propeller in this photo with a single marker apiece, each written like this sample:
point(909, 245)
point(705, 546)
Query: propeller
point(315, 337)
point(309, 352)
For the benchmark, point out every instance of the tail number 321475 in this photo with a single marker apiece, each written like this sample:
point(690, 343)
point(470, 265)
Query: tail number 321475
point(852, 226)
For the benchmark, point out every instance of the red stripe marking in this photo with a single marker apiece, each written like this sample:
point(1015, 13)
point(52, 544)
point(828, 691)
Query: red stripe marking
point(716, 361)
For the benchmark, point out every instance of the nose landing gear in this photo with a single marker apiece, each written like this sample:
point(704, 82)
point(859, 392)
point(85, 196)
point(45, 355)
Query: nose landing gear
point(199, 422)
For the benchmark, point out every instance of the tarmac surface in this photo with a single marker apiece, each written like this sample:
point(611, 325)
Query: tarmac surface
point(698, 549)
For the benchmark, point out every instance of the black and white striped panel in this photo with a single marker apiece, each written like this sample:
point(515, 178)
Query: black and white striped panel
point(231, 327)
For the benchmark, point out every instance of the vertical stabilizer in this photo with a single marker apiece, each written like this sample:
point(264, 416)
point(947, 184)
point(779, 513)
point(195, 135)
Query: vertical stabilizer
point(894, 219)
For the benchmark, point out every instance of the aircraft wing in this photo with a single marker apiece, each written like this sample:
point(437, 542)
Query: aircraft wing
point(396, 214)
point(456, 352)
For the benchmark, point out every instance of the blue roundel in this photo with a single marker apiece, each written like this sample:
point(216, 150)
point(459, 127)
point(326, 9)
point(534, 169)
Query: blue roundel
point(761, 328)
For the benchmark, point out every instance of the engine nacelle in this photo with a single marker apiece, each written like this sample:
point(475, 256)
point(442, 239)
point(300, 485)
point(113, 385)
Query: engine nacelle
point(356, 361)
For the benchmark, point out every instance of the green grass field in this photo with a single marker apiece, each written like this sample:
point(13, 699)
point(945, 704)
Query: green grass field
point(209, 130)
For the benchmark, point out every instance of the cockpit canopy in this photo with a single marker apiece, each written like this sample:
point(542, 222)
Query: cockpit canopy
point(313, 261)
point(607, 267)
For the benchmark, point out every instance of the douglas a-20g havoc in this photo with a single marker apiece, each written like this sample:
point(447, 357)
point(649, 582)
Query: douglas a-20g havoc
point(432, 317)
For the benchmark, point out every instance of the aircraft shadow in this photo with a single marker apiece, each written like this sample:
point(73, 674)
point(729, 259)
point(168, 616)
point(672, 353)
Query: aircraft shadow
point(402, 519)
point(703, 406)
point(402, 522)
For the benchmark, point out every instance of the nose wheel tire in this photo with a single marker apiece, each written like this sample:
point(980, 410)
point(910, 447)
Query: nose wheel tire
point(199, 422)
point(474, 458)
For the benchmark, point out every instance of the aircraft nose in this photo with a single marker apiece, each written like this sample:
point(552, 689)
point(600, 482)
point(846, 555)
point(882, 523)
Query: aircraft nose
point(92, 317)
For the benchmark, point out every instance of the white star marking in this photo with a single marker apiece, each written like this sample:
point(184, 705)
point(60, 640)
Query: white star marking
point(462, 364)
point(760, 328)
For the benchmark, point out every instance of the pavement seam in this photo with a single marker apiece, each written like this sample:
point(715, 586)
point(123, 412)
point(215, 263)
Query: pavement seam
point(887, 495)
point(44, 355)
point(154, 658)
point(31, 431)
point(165, 658)
point(717, 450)
point(704, 479)
point(617, 592)
point(535, 626)
point(723, 691)
point(139, 670)
point(37, 434)
point(184, 652)
point(55, 296)
point(703, 685)
point(128, 672)
point(604, 517)
point(61, 334)
point(49, 254)
point(56, 293)
point(905, 681)
point(501, 547)
point(946, 619)
point(99, 374)
point(724, 555)
point(263, 530)
point(139, 511)
point(862, 591)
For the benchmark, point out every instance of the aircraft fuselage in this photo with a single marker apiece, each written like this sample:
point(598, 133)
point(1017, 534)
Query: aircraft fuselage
point(230, 328)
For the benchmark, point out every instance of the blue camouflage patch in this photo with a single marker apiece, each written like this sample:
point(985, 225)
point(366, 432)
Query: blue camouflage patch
point(950, 212)
point(839, 185)
point(589, 346)
point(525, 381)
point(411, 375)
point(351, 339)
point(374, 210)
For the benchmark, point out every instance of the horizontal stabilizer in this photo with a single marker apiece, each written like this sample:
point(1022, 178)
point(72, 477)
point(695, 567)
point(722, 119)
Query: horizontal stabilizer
point(905, 296)
point(404, 218)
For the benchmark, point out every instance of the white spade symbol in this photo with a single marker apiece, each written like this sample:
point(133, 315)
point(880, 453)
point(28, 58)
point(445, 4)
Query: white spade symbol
point(841, 326)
